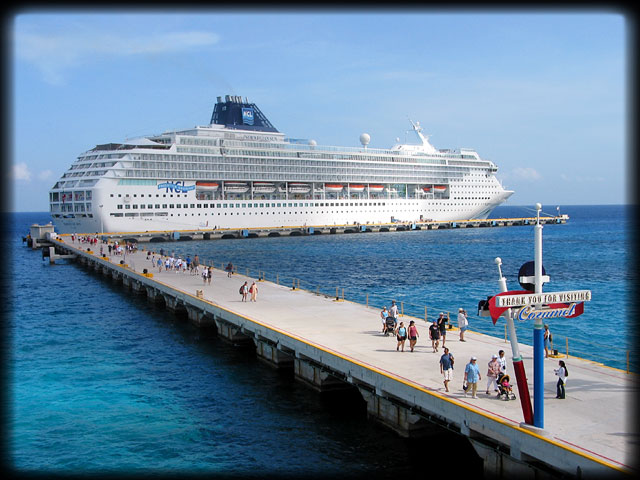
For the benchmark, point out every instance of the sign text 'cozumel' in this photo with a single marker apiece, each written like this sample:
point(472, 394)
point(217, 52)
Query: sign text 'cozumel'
point(557, 310)
point(521, 300)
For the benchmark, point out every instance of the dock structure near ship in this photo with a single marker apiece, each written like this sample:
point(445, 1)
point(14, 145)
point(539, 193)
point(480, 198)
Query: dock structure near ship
point(331, 345)
point(206, 233)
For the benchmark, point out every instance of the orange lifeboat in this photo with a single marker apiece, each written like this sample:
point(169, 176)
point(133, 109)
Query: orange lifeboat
point(210, 186)
point(333, 187)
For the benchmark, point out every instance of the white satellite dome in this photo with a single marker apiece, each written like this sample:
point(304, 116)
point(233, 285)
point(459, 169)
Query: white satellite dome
point(365, 139)
point(313, 143)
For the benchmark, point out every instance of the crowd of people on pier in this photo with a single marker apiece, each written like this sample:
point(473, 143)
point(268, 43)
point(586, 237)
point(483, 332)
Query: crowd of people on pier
point(497, 380)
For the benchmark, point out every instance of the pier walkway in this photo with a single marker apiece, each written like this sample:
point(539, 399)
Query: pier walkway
point(332, 343)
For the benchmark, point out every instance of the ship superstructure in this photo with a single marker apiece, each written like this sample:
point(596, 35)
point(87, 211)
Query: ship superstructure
point(241, 172)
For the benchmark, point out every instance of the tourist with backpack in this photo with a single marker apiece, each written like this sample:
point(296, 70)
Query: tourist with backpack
point(244, 290)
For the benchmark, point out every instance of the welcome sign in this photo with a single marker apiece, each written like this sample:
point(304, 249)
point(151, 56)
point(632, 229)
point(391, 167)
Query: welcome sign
point(539, 305)
point(518, 300)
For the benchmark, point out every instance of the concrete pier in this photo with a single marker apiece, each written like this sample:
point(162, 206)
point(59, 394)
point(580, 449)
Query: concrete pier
point(331, 345)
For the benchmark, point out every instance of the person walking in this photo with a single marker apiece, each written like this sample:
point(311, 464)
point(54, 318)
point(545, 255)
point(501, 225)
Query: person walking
point(413, 334)
point(463, 322)
point(401, 336)
point(254, 292)
point(383, 315)
point(205, 275)
point(547, 341)
point(562, 374)
point(492, 373)
point(442, 326)
point(503, 362)
point(393, 312)
point(209, 274)
point(434, 335)
point(229, 269)
point(446, 368)
point(196, 264)
point(472, 377)
point(244, 290)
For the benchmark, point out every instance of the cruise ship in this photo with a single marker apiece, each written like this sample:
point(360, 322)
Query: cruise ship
point(241, 172)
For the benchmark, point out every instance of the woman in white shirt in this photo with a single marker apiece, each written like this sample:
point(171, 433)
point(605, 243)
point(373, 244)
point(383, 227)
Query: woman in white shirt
point(462, 323)
point(562, 374)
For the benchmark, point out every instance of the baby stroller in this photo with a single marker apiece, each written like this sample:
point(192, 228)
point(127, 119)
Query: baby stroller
point(389, 326)
point(504, 388)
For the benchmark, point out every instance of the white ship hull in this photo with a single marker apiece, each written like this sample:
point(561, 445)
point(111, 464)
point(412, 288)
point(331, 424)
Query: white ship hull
point(247, 213)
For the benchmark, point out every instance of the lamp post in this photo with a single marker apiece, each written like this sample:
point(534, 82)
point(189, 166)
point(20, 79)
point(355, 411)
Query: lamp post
point(538, 331)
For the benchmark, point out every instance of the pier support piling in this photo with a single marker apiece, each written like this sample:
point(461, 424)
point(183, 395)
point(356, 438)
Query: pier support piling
point(394, 415)
point(269, 353)
point(199, 317)
point(316, 377)
point(499, 464)
point(230, 332)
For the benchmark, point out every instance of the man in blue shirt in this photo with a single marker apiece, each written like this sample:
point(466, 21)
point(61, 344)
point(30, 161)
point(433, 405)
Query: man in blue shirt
point(446, 367)
point(471, 377)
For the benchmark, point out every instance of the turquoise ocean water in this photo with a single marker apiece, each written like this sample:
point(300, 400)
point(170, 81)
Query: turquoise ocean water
point(100, 381)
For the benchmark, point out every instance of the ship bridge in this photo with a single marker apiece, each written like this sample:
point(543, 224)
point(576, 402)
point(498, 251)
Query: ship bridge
point(239, 114)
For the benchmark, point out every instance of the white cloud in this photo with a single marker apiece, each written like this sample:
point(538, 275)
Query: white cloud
point(581, 179)
point(53, 53)
point(45, 175)
point(21, 172)
point(526, 173)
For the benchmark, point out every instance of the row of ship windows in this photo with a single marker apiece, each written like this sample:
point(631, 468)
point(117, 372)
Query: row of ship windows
point(306, 155)
point(267, 205)
point(330, 161)
point(165, 214)
point(254, 205)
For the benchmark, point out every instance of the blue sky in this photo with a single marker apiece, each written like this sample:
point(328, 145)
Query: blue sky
point(542, 94)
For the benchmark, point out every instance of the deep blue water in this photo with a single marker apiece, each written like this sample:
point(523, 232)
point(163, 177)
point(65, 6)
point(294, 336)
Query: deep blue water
point(102, 381)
